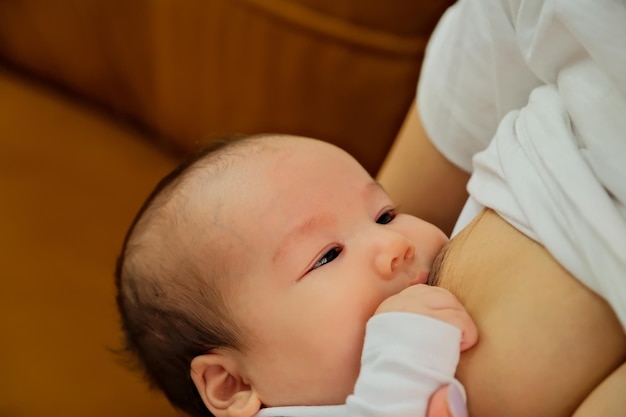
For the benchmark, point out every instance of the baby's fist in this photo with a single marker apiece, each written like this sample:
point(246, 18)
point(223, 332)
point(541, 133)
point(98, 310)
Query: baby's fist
point(434, 302)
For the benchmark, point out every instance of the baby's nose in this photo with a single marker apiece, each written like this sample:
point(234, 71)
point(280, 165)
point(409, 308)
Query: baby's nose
point(393, 256)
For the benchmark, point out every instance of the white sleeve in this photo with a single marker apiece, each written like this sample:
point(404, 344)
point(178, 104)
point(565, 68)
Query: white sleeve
point(543, 85)
point(485, 58)
point(473, 74)
point(406, 357)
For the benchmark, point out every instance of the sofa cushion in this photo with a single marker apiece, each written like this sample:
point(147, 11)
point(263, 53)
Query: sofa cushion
point(339, 70)
point(71, 180)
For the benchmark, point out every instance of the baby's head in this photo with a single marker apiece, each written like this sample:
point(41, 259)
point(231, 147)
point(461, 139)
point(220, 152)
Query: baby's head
point(249, 275)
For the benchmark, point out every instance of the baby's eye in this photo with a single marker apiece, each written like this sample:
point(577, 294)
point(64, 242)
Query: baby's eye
point(327, 257)
point(386, 217)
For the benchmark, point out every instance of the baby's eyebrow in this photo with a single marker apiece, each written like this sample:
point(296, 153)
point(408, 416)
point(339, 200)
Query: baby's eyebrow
point(376, 184)
point(301, 230)
point(372, 189)
point(438, 265)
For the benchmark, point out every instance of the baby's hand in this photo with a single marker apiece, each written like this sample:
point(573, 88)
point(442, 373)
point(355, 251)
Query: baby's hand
point(434, 302)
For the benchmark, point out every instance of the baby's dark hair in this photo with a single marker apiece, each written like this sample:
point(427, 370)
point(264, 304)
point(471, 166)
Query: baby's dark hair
point(171, 299)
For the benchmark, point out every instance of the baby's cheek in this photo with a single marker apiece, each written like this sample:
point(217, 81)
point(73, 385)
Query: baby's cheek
point(346, 374)
point(344, 354)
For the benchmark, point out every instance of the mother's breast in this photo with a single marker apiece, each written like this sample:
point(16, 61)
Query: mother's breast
point(545, 340)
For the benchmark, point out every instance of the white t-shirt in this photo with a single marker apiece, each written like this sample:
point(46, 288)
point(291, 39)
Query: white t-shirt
point(406, 358)
point(530, 96)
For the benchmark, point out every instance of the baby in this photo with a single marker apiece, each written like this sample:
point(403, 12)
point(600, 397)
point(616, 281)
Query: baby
point(272, 275)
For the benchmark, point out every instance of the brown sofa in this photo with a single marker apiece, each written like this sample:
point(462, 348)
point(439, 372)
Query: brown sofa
point(100, 98)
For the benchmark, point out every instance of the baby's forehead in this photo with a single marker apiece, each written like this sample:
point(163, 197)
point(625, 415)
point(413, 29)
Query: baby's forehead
point(241, 202)
point(280, 167)
point(246, 159)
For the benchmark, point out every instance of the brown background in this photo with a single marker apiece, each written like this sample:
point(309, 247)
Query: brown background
point(100, 98)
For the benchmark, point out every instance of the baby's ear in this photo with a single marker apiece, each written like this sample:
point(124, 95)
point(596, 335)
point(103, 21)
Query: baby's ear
point(222, 388)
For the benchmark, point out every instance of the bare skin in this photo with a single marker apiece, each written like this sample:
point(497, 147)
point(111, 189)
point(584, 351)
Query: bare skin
point(547, 345)
point(545, 340)
point(408, 172)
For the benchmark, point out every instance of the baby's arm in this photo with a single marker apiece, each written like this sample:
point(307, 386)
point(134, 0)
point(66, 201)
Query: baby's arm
point(411, 349)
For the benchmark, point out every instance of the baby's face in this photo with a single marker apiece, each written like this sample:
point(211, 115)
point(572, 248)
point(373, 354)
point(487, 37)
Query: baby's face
point(319, 247)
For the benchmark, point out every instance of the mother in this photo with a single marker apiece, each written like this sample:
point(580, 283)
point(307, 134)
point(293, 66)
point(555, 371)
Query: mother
point(529, 97)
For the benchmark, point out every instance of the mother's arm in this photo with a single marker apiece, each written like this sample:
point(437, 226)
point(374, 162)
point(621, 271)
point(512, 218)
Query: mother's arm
point(422, 180)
